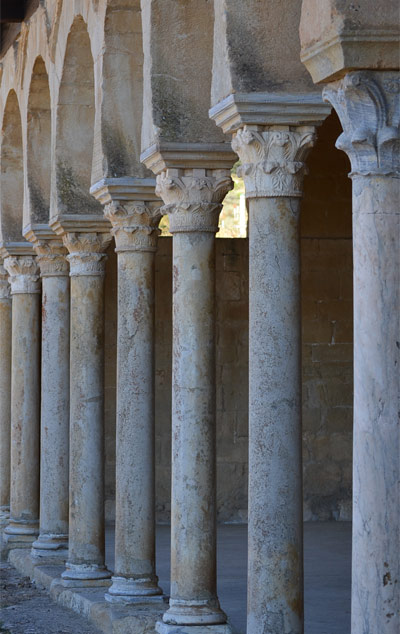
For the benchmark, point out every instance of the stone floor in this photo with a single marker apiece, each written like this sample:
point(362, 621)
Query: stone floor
point(327, 586)
point(327, 551)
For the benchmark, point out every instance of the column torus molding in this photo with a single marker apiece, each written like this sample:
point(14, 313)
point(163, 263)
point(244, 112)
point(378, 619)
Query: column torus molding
point(368, 106)
point(273, 159)
point(86, 252)
point(134, 224)
point(24, 274)
point(193, 197)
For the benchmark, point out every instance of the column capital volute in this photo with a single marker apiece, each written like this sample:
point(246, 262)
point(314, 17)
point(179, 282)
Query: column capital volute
point(4, 285)
point(50, 250)
point(87, 252)
point(86, 238)
point(193, 197)
point(273, 159)
point(192, 180)
point(24, 274)
point(368, 106)
point(133, 210)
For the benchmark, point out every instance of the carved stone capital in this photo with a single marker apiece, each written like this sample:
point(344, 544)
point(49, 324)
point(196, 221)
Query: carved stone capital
point(273, 159)
point(134, 224)
point(368, 106)
point(4, 285)
point(51, 257)
point(24, 274)
point(193, 197)
point(86, 252)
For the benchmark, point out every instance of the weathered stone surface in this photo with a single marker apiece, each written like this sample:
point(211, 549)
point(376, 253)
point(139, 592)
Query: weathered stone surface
point(25, 401)
point(338, 36)
point(5, 395)
point(134, 225)
point(192, 200)
point(85, 563)
point(54, 438)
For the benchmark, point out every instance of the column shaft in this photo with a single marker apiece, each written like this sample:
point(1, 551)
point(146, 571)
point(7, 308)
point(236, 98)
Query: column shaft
point(368, 105)
point(275, 556)
point(193, 519)
point(193, 223)
point(273, 168)
point(25, 401)
point(5, 395)
point(85, 565)
point(54, 453)
point(135, 492)
point(376, 456)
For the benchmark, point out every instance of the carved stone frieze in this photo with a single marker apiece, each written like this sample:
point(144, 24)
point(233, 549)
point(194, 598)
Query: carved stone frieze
point(51, 257)
point(193, 198)
point(87, 252)
point(4, 285)
point(134, 224)
point(273, 159)
point(368, 106)
point(24, 274)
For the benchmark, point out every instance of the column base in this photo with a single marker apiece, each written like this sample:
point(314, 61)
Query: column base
point(20, 534)
point(129, 590)
point(206, 612)
point(167, 628)
point(50, 548)
point(85, 576)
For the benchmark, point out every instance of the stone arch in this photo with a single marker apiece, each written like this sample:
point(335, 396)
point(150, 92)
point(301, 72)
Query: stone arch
point(12, 175)
point(75, 126)
point(39, 144)
point(121, 93)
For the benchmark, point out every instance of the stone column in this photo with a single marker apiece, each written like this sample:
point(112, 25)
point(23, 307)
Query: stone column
point(135, 231)
point(5, 395)
point(85, 565)
point(273, 167)
point(368, 105)
point(54, 439)
point(25, 401)
point(193, 201)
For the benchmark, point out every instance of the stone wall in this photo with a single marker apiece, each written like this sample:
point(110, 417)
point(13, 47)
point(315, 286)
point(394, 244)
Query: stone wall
point(327, 327)
point(326, 269)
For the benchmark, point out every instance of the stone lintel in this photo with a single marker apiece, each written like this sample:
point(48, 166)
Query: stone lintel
point(331, 58)
point(8, 249)
point(78, 223)
point(260, 109)
point(35, 232)
point(125, 189)
point(208, 156)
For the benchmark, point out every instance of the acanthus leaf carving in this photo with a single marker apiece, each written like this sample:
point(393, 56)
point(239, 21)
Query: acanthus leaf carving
point(273, 159)
point(368, 106)
point(87, 252)
point(193, 198)
point(4, 285)
point(24, 274)
point(134, 224)
point(51, 257)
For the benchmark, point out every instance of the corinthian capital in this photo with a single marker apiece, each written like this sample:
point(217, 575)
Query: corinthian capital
point(86, 252)
point(368, 106)
point(24, 274)
point(51, 257)
point(273, 159)
point(193, 197)
point(4, 285)
point(134, 224)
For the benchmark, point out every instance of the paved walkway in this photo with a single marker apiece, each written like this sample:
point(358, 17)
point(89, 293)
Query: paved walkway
point(327, 551)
